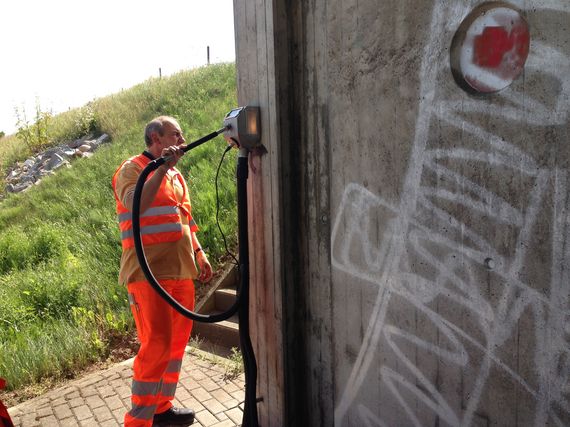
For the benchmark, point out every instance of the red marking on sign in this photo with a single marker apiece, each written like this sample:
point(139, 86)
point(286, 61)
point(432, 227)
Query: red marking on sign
point(491, 47)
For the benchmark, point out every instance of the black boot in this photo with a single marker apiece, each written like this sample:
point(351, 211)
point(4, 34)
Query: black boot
point(174, 417)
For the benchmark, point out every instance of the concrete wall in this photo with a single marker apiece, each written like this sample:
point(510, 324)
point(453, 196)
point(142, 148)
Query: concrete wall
point(415, 255)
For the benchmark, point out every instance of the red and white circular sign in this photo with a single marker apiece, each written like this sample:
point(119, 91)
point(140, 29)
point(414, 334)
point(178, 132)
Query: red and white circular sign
point(493, 48)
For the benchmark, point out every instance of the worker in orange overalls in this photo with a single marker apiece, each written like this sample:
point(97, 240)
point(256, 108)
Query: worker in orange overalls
point(5, 420)
point(172, 250)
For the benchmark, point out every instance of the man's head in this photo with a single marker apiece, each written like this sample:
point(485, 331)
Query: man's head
point(162, 132)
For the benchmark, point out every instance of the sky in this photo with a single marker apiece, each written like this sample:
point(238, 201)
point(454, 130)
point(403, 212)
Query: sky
point(65, 53)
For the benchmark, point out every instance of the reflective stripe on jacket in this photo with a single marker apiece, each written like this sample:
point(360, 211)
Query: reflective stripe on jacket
point(161, 222)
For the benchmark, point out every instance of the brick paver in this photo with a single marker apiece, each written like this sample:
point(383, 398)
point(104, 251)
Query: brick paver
point(102, 398)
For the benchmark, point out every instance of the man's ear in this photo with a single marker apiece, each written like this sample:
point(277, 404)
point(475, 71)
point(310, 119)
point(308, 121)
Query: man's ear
point(154, 138)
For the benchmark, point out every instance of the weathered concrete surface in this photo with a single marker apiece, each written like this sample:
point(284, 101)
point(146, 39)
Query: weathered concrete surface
point(424, 233)
point(258, 80)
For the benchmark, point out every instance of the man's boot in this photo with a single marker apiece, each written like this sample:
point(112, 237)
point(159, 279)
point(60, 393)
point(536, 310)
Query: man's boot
point(174, 417)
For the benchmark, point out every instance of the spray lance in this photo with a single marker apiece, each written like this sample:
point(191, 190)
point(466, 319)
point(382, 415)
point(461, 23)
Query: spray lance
point(241, 129)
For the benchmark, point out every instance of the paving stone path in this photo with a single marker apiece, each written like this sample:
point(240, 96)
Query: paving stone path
point(102, 398)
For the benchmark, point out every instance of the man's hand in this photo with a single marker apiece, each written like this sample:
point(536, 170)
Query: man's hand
point(205, 268)
point(173, 154)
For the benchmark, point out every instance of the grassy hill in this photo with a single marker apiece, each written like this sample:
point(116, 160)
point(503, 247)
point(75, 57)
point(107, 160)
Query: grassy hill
point(60, 304)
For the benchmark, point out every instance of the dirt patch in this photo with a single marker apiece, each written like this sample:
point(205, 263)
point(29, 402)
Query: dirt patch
point(121, 348)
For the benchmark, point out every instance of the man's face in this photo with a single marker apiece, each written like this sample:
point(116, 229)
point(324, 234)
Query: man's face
point(172, 135)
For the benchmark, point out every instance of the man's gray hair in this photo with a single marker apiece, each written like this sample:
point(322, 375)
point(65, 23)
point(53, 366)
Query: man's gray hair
point(156, 125)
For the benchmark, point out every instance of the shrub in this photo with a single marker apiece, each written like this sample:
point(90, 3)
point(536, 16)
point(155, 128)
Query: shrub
point(19, 249)
point(50, 293)
point(47, 243)
point(14, 250)
point(36, 135)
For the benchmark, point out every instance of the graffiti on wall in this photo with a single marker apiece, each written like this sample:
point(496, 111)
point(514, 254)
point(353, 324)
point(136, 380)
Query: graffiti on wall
point(439, 242)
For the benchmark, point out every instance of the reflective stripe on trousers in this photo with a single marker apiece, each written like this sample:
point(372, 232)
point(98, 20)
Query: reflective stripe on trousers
point(163, 334)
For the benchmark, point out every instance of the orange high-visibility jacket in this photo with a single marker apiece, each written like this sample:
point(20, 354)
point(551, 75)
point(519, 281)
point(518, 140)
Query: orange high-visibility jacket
point(161, 222)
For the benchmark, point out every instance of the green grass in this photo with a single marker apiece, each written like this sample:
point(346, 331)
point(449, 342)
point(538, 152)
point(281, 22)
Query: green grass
point(59, 242)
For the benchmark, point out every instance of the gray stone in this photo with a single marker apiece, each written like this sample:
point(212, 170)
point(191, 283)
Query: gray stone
point(44, 172)
point(29, 163)
point(75, 144)
point(79, 142)
point(18, 188)
point(55, 162)
point(93, 144)
point(27, 179)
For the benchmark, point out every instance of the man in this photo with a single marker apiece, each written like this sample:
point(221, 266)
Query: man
point(172, 250)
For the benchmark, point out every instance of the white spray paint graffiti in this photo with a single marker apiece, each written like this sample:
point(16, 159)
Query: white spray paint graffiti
point(408, 233)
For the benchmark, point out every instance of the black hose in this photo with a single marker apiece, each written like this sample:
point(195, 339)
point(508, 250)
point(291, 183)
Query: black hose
point(249, 362)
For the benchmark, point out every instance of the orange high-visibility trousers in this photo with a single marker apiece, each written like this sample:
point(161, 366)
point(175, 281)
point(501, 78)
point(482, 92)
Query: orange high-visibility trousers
point(163, 334)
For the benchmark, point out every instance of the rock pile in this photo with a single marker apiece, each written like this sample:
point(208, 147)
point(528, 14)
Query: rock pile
point(30, 172)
